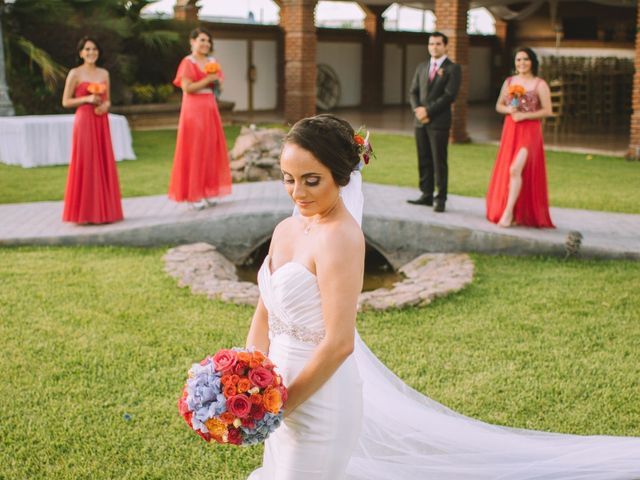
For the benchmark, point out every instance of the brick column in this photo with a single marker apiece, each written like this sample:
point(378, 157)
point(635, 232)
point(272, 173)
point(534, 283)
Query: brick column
point(297, 19)
point(634, 140)
point(186, 10)
point(373, 57)
point(451, 19)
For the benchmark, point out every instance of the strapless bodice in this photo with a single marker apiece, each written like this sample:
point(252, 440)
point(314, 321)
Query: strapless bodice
point(292, 298)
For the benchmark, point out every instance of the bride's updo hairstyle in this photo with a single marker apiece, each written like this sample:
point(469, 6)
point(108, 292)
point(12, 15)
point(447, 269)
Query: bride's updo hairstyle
point(330, 140)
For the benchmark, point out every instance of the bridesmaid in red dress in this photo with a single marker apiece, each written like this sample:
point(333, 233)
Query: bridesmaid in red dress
point(518, 188)
point(93, 192)
point(200, 166)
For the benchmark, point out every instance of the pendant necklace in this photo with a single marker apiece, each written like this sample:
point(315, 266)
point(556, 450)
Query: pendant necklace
point(311, 223)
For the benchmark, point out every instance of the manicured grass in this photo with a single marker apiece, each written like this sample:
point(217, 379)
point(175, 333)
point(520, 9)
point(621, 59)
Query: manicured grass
point(575, 181)
point(93, 336)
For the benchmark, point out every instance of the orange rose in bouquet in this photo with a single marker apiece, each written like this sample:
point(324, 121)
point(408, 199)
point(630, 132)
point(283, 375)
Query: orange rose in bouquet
point(515, 93)
point(97, 88)
point(212, 67)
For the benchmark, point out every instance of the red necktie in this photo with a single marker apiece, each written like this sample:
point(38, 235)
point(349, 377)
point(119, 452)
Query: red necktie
point(432, 73)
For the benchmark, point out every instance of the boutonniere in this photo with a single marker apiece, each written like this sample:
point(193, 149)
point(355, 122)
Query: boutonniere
point(440, 72)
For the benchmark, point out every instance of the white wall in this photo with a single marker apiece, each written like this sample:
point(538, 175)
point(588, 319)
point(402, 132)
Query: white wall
point(265, 89)
point(232, 56)
point(346, 59)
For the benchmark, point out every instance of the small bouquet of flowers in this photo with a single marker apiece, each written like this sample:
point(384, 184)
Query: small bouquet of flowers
point(214, 67)
point(365, 150)
point(515, 94)
point(233, 397)
point(96, 88)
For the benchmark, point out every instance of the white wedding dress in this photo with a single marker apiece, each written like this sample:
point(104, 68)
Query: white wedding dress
point(366, 424)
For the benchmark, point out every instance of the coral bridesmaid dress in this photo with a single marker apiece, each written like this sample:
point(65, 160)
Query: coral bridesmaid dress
point(200, 165)
point(93, 192)
point(532, 207)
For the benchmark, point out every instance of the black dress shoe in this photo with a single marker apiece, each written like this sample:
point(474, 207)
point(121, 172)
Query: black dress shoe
point(438, 206)
point(423, 200)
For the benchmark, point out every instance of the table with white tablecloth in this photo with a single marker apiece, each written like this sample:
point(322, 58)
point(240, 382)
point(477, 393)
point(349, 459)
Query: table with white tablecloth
point(39, 140)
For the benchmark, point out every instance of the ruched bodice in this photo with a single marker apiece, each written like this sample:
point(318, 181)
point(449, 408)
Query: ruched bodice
point(292, 298)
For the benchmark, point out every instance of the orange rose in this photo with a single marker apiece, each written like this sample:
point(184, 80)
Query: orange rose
point(243, 385)
point(358, 139)
point(225, 379)
point(216, 427)
point(516, 90)
point(97, 88)
point(256, 399)
point(272, 400)
point(212, 67)
point(227, 418)
point(244, 357)
point(229, 390)
point(235, 379)
point(257, 358)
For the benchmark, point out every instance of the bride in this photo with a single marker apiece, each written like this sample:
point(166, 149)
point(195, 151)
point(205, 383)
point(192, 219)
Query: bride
point(348, 416)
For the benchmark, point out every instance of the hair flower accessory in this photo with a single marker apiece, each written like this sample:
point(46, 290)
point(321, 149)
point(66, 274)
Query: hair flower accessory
point(365, 150)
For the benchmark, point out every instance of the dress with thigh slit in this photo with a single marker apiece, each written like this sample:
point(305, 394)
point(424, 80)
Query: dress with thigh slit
point(532, 207)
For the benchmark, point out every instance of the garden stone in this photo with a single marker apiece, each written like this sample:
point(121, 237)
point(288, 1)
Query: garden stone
point(429, 276)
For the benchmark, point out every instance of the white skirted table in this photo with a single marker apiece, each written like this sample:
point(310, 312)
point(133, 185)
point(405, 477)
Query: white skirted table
point(41, 140)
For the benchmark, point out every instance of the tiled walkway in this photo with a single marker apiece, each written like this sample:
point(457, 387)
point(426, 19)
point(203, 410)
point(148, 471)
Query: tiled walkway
point(157, 221)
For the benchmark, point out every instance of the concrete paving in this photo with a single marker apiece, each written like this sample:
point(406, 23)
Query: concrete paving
point(242, 221)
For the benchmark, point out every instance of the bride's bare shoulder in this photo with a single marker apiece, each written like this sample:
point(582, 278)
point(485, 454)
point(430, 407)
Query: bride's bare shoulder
point(343, 241)
point(284, 227)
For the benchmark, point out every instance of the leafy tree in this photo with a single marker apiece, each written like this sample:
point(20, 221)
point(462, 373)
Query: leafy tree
point(41, 36)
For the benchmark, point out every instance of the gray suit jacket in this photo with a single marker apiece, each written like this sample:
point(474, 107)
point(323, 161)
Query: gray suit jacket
point(438, 95)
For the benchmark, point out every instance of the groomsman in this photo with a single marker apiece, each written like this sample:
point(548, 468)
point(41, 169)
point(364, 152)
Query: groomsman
point(433, 90)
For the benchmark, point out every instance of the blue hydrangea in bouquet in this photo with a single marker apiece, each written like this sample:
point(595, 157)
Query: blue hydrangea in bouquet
point(234, 397)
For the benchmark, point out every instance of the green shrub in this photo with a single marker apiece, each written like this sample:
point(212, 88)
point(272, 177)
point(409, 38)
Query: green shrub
point(163, 92)
point(143, 93)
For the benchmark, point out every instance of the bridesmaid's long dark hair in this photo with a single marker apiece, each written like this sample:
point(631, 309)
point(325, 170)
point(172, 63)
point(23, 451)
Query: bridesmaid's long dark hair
point(535, 64)
point(82, 42)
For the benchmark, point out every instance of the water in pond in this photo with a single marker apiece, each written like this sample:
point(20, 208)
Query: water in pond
point(378, 273)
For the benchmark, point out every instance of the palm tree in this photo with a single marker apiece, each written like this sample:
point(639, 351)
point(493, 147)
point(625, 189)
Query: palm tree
point(41, 34)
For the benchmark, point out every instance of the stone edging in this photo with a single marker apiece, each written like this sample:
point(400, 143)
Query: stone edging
point(431, 275)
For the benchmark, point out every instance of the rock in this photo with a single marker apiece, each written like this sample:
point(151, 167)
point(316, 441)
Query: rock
point(266, 162)
point(428, 276)
point(255, 174)
point(243, 143)
point(238, 164)
point(202, 268)
point(256, 149)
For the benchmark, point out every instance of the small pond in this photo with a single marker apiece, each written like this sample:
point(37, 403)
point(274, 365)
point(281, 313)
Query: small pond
point(378, 272)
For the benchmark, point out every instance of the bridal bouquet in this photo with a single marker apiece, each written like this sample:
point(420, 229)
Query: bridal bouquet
point(233, 397)
point(515, 93)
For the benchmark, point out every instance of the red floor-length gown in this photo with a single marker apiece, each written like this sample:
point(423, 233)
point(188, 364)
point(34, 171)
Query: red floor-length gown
point(200, 165)
point(93, 192)
point(532, 207)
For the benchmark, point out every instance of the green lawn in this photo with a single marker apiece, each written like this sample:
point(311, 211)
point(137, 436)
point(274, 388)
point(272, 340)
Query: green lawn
point(97, 341)
point(94, 336)
point(599, 183)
